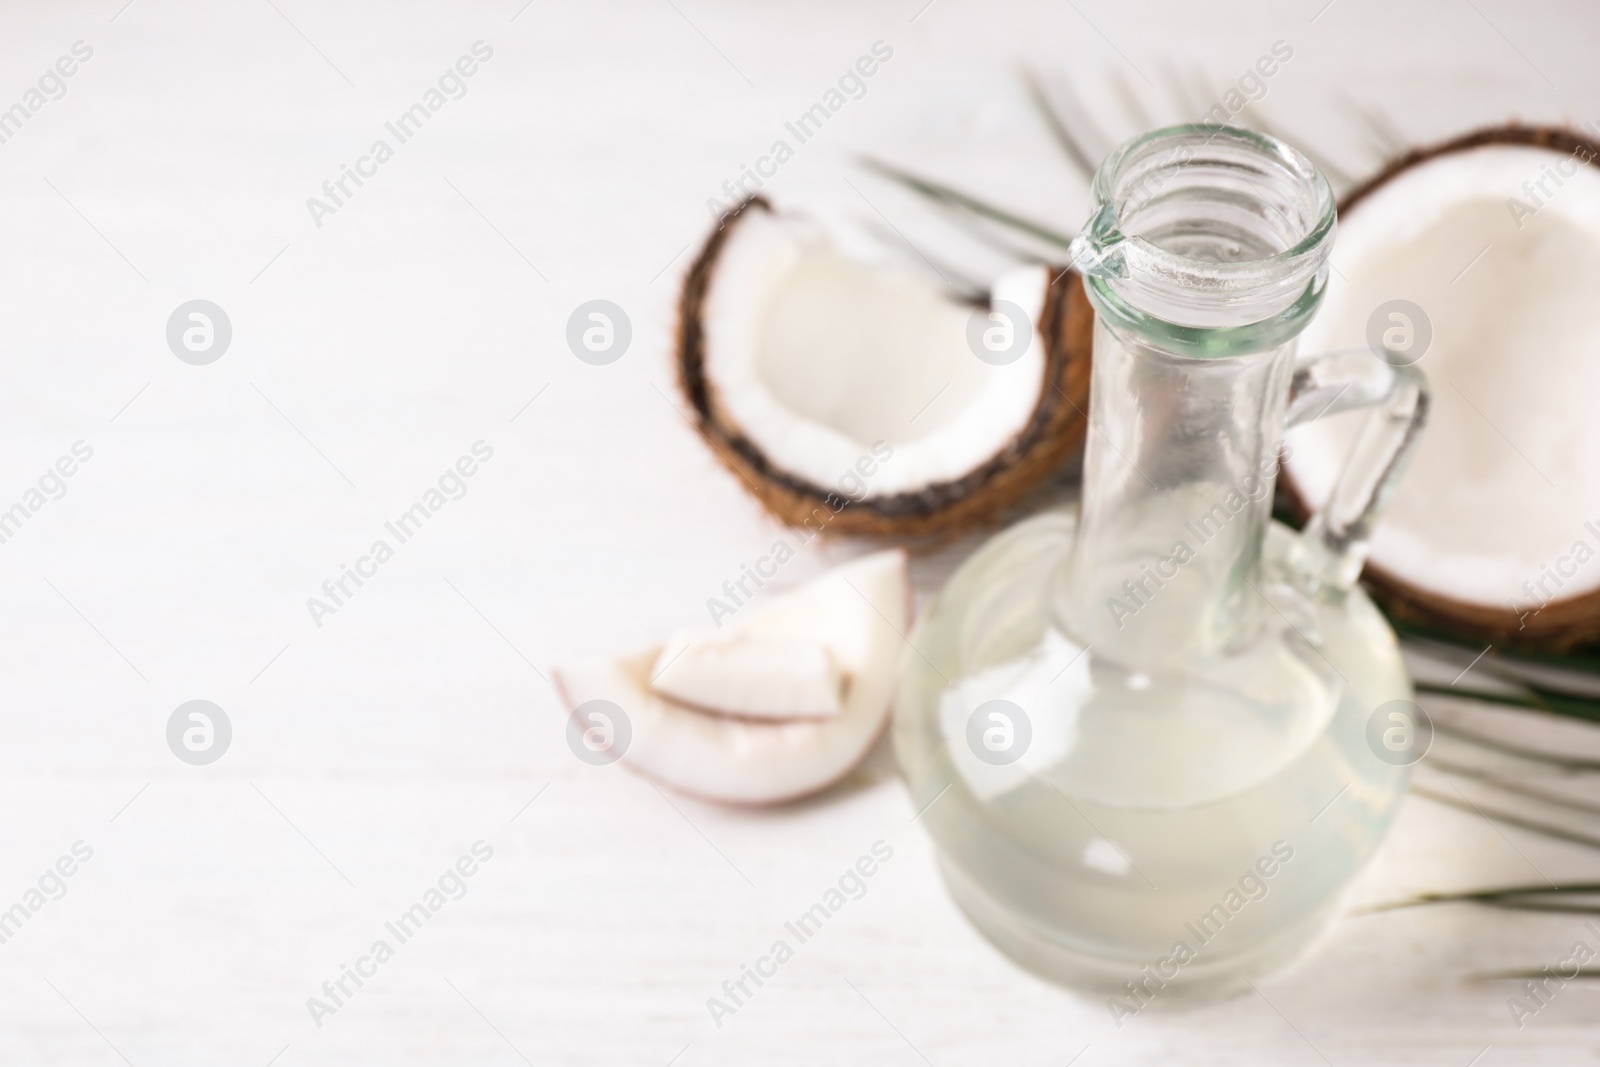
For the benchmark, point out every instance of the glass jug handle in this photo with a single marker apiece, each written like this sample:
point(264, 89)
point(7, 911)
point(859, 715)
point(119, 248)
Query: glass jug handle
point(1333, 547)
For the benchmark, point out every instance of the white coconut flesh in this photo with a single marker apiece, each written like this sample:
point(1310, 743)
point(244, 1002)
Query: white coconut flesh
point(855, 614)
point(750, 675)
point(1507, 478)
point(817, 358)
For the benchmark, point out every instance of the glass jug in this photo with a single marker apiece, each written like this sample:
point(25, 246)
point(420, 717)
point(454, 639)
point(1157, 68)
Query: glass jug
point(1140, 735)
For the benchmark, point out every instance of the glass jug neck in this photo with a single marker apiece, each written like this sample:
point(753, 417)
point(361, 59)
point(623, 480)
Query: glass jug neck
point(1205, 258)
point(1178, 481)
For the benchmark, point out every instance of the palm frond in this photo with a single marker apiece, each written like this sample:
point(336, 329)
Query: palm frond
point(1507, 748)
point(1579, 974)
point(1511, 785)
point(1130, 100)
point(1336, 175)
point(1382, 134)
point(944, 194)
point(1518, 897)
point(1510, 818)
point(1057, 124)
point(1530, 697)
point(1193, 107)
point(962, 284)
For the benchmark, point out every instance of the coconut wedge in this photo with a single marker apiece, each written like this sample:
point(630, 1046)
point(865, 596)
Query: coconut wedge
point(1495, 238)
point(750, 675)
point(868, 401)
point(855, 613)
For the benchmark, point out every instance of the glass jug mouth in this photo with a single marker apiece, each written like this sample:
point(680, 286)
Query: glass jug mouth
point(1213, 240)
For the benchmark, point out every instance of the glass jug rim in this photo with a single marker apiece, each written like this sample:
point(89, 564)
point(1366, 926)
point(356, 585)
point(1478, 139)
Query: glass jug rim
point(1200, 306)
point(1111, 171)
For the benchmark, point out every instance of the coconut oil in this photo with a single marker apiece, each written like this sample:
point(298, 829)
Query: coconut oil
point(1145, 799)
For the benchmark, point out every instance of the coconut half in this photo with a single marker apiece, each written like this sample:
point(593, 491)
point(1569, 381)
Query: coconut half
point(1495, 533)
point(843, 628)
point(850, 397)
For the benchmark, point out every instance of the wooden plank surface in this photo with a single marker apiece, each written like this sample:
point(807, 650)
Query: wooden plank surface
point(372, 347)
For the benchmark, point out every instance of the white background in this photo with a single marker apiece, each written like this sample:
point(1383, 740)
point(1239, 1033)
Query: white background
point(369, 753)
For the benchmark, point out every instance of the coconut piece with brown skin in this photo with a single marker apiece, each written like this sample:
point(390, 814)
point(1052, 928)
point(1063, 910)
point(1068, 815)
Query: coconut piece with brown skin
point(853, 398)
point(1492, 242)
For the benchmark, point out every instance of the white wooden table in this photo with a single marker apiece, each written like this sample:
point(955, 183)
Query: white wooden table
point(428, 313)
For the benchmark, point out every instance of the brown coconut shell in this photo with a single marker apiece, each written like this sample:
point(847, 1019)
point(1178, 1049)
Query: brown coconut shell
point(1050, 440)
point(1560, 626)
